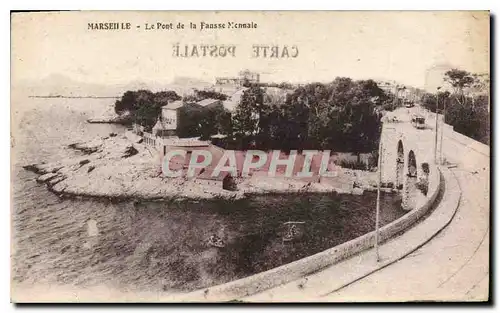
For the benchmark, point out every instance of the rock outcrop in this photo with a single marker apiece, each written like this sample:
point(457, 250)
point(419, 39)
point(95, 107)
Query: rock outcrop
point(116, 168)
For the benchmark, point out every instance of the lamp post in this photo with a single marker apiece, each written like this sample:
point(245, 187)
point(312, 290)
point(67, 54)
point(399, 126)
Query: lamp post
point(436, 127)
point(396, 98)
point(377, 210)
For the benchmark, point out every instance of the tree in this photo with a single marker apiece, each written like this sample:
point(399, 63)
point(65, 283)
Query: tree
point(341, 116)
point(144, 106)
point(246, 119)
point(164, 97)
point(126, 103)
point(459, 80)
point(209, 94)
point(471, 120)
point(144, 110)
point(471, 116)
point(429, 101)
point(467, 107)
point(358, 114)
point(224, 122)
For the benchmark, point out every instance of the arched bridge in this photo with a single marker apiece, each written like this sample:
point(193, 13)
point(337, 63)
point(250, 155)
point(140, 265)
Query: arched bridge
point(406, 155)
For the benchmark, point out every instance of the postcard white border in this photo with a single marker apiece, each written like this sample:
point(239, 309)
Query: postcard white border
point(492, 5)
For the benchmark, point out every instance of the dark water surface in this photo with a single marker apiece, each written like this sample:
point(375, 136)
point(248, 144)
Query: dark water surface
point(155, 246)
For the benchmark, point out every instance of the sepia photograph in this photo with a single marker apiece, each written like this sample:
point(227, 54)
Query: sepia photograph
point(250, 156)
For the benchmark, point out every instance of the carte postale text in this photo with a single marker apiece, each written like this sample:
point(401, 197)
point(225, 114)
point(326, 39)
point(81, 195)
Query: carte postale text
point(222, 50)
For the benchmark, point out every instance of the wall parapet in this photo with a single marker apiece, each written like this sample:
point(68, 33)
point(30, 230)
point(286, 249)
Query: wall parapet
point(467, 142)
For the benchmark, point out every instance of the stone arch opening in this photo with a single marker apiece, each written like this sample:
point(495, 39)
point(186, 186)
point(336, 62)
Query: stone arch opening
point(412, 164)
point(410, 184)
point(400, 164)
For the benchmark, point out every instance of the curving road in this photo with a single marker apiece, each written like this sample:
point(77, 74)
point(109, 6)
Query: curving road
point(454, 265)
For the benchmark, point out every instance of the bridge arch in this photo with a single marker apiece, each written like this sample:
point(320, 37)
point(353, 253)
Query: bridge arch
point(400, 164)
point(412, 164)
point(410, 182)
point(405, 166)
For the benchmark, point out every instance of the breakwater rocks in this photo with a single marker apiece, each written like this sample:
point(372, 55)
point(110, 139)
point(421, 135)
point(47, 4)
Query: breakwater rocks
point(124, 118)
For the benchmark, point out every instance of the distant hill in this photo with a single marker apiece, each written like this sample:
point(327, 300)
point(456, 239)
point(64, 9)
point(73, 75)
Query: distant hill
point(61, 85)
point(190, 81)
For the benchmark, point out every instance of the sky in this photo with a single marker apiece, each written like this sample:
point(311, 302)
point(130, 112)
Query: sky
point(412, 48)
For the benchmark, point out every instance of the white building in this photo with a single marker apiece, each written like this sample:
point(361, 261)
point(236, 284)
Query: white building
point(243, 77)
point(166, 125)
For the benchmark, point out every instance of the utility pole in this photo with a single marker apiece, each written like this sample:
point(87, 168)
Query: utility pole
point(442, 131)
point(396, 100)
point(377, 213)
point(436, 128)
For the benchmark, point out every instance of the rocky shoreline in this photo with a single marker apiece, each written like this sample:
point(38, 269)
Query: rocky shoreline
point(117, 168)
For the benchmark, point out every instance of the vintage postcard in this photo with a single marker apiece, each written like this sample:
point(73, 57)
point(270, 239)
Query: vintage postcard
point(250, 156)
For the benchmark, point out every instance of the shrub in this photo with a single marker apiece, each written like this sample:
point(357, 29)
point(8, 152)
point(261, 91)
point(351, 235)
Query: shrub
point(425, 168)
point(373, 160)
point(355, 165)
point(423, 186)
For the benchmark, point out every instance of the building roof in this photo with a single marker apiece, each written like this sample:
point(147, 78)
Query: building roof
point(173, 105)
point(234, 100)
point(207, 102)
point(185, 142)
